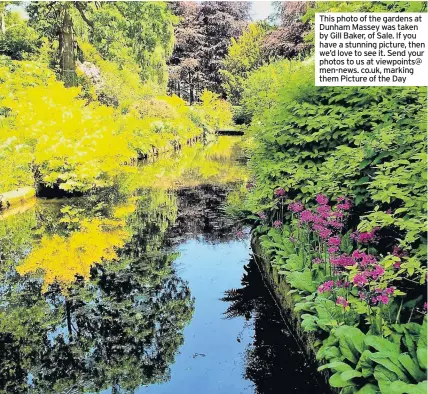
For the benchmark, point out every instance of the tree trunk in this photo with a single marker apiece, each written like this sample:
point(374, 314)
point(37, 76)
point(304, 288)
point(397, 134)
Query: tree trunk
point(3, 22)
point(191, 92)
point(68, 313)
point(67, 62)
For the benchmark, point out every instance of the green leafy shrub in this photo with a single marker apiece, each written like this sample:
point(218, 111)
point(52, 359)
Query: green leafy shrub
point(368, 143)
point(369, 364)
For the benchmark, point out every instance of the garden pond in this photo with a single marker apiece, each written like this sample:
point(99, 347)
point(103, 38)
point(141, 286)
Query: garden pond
point(149, 287)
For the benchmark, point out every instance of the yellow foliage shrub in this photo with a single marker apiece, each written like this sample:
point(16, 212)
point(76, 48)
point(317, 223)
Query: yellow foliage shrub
point(153, 108)
point(76, 145)
point(213, 113)
point(51, 132)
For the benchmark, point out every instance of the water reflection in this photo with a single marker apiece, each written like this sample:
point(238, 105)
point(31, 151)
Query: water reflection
point(91, 311)
point(89, 297)
point(214, 164)
point(201, 212)
point(97, 293)
point(274, 361)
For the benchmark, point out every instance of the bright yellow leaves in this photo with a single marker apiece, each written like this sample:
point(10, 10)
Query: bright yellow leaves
point(215, 113)
point(61, 258)
point(49, 131)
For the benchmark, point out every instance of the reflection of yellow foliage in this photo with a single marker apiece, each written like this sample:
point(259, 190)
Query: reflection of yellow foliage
point(124, 211)
point(221, 149)
point(62, 258)
point(192, 166)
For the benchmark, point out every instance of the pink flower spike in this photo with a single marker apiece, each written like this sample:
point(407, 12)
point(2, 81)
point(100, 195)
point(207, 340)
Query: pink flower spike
point(306, 216)
point(295, 207)
point(360, 279)
point(335, 224)
point(364, 238)
point(324, 233)
point(389, 290)
point(383, 299)
point(345, 205)
point(280, 192)
point(377, 272)
point(334, 241)
point(326, 286)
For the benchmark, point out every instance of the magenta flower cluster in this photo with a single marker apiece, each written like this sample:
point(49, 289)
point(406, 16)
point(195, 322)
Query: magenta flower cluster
point(280, 192)
point(326, 286)
point(325, 220)
point(295, 207)
point(378, 296)
point(342, 301)
point(363, 277)
point(364, 238)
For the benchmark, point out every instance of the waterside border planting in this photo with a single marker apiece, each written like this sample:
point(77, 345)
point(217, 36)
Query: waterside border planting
point(281, 291)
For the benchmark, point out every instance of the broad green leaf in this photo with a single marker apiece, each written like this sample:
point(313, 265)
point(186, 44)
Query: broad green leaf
point(302, 281)
point(365, 364)
point(337, 381)
point(309, 322)
point(368, 389)
point(351, 342)
point(390, 361)
point(384, 378)
point(381, 344)
point(411, 367)
point(422, 346)
point(338, 366)
point(347, 375)
point(399, 387)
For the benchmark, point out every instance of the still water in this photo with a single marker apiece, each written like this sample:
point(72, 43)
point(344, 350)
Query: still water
point(148, 287)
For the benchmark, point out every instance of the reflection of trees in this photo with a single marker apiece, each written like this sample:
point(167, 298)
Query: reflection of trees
point(201, 212)
point(125, 323)
point(274, 359)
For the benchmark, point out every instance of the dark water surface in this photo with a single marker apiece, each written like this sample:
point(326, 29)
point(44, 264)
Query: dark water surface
point(143, 292)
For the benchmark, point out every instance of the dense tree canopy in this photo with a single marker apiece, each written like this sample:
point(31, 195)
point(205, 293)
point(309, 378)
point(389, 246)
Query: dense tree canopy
point(244, 55)
point(17, 39)
point(120, 31)
point(202, 39)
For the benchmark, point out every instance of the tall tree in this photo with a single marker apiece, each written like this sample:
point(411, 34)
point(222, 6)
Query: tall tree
point(244, 55)
point(288, 40)
point(221, 21)
point(185, 77)
point(66, 47)
point(202, 39)
point(142, 31)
